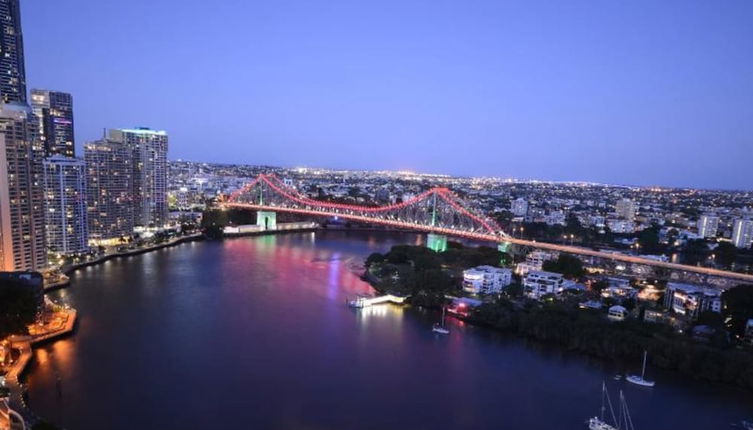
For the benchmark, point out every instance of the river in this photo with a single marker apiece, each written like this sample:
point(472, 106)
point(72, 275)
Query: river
point(254, 333)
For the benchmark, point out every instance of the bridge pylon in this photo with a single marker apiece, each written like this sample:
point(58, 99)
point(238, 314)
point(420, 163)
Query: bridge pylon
point(436, 242)
point(267, 220)
point(506, 249)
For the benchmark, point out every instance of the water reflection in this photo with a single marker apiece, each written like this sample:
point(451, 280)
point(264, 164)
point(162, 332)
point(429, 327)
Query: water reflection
point(254, 332)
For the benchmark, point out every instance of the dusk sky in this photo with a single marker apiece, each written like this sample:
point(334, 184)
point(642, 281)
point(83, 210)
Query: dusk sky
point(630, 92)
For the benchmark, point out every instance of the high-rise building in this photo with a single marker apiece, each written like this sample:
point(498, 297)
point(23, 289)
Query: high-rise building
point(55, 112)
point(625, 209)
point(519, 207)
point(149, 149)
point(12, 69)
point(65, 202)
point(708, 225)
point(742, 233)
point(109, 188)
point(22, 234)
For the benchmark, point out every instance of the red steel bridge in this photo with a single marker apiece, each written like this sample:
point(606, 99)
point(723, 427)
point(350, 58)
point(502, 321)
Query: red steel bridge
point(437, 211)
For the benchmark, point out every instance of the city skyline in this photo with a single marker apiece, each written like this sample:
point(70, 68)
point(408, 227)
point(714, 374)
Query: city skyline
point(654, 94)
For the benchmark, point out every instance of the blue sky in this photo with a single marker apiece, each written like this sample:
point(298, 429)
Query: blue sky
point(636, 92)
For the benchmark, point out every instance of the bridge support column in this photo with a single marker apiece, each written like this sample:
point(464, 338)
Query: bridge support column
point(267, 220)
point(506, 249)
point(436, 242)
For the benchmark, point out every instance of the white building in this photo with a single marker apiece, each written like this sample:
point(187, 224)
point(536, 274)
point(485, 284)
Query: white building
point(708, 225)
point(742, 233)
point(486, 279)
point(621, 226)
point(539, 283)
point(65, 205)
point(690, 300)
point(519, 207)
point(555, 218)
point(149, 174)
point(534, 262)
point(617, 313)
point(625, 209)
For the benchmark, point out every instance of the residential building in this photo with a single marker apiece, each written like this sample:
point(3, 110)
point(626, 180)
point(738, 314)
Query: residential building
point(109, 188)
point(742, 233)
point(22, 235)
point(620, 226)
point(617, 313)
point(534, 261)
point(65, 205)
point(12, 68)
point(149, 174)
point(539, 283)
point(54, 110)
point(486, 279)
point(708, 226)
point(519, 207)
point(625, 209)
point(690, 300)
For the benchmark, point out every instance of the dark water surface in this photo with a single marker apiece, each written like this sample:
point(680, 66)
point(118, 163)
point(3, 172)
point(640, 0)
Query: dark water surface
point(253, 333)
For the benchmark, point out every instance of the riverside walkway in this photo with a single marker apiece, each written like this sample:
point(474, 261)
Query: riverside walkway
point(364, 302)
point(24, 346)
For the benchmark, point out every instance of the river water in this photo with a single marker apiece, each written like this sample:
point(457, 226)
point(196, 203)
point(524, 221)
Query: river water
point(254, 333)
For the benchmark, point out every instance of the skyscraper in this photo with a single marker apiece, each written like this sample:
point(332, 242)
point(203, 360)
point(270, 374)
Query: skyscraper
point(742, 233)
point(708, 225)
point(625, 209)
point(109, 185)
point(22, 234)
point(65, 202)
point(149, 149)
point(55, 113)
point(12, 69)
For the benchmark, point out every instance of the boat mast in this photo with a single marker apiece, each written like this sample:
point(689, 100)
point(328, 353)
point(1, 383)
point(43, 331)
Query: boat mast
point(625, 414)
point(605, 394)
point(643, 372)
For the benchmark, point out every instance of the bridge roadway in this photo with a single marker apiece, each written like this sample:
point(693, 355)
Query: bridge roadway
point(486, 237)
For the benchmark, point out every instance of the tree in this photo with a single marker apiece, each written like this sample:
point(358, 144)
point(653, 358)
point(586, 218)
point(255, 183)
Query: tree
point(568, 265)
point(738, 307)
point(726, 253)
point(18, 307)
point(374, 258)
point(649, 239)
point(695, 251)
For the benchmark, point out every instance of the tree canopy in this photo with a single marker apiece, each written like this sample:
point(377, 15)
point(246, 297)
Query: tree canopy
point(18, 307)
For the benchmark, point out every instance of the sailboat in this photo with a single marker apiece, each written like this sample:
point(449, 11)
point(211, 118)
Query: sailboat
point(622, 422)
point(640, 380)
point(439, 327)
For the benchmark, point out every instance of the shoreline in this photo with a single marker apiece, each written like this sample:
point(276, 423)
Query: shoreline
point(25, 345)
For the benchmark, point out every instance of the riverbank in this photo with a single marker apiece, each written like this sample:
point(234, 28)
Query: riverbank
point(67, 270)
point(63, 323)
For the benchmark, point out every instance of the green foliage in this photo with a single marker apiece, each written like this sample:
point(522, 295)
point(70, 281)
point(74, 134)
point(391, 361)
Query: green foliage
point(568, 265)
point(649, 240)
point(374, 258)
point(589, 332)
point(738, 307)
point(726, 253)
point(695, 251)
point(424, 274)
point(18, 307)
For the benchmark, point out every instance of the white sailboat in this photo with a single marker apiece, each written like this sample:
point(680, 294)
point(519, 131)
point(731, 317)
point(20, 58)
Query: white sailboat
point(623, 422)
point(439, 327)
point(641, 380)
